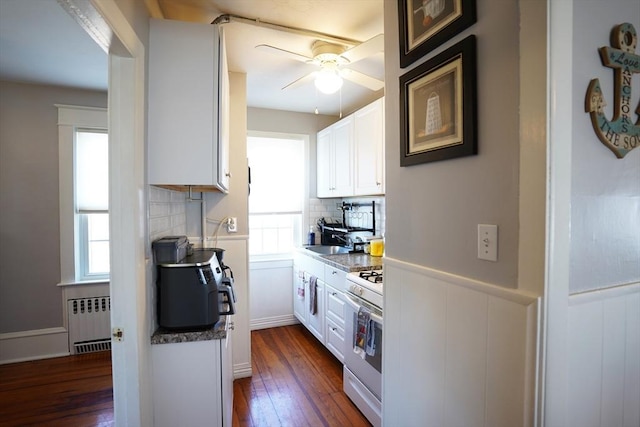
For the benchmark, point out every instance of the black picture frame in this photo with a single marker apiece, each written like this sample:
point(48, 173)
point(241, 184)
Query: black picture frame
point(438, 107)
point(420, 33)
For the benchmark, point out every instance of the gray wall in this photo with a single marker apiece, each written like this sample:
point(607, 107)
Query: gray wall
point(433, 209)
point(605, 191)
point(29, 208)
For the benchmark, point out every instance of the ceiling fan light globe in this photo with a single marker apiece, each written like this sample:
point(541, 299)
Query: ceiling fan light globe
point(328, 81)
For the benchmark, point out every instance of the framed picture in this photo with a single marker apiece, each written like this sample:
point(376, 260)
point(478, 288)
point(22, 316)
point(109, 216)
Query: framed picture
point(426, 24)
point(438, 107)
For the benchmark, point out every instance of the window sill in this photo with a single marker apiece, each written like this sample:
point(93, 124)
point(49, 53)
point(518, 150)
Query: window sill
point(271, 257)
point(85, 283)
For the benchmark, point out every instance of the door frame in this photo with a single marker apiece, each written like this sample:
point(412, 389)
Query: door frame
point(130, 267)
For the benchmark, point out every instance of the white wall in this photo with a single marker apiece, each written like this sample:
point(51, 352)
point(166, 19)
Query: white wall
point(605, 190)
point(598, 349)
point(603, 381)
point(457, 352)
point(271, 294)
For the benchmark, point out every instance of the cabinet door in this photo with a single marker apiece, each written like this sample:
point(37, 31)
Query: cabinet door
point(186, 382)
point(315, 322)
point(299, 291)
point(369, 149)
point(324, 164)
point(343, 157)
point(223, 171)
point(184, 112)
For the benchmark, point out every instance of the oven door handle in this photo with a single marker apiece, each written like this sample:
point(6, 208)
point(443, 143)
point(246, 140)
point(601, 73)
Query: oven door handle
point(355, 304)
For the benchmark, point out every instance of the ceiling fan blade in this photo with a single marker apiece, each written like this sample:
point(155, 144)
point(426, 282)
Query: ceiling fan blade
point(365, 49)
point(362, 79)
point(285, 53)
point(302, 80)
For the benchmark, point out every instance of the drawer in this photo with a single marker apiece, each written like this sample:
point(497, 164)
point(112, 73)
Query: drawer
point(335, 305)
point(335, 277)
point(335, 340)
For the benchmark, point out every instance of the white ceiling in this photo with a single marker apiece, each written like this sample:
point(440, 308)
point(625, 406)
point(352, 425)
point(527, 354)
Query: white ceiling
point(41, 43)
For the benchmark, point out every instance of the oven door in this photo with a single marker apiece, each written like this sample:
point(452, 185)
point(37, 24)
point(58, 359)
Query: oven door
point(369, 369)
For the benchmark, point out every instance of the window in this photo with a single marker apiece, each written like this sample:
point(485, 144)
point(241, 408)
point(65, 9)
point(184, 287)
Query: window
point(277, 197)
point(84, 194)
point(91, 183)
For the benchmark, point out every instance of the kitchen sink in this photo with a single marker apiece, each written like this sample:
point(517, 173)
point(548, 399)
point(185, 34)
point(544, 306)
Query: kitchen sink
point(328, 250)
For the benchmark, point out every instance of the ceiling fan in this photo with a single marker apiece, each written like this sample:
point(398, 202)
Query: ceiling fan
point(333, 60)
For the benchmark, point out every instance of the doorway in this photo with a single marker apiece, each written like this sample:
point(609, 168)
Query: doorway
point(130, 271)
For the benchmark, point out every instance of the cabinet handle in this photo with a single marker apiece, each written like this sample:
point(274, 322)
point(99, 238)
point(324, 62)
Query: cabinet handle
point(334, 272)
point(228, 174)
point(334, 293)
point(333, 329)
point(232, 326)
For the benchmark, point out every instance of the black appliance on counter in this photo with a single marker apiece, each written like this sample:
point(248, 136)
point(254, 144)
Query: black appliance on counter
point(192, 292)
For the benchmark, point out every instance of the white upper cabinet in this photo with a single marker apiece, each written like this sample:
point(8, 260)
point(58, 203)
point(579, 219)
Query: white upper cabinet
point(369, 149)
point(188, 128)
point(324, 180)
point(334, 159)
point(350, 156)
point(343, 157)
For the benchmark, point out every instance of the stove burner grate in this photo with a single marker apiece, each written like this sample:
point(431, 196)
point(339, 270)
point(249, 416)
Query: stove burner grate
point(371, 276)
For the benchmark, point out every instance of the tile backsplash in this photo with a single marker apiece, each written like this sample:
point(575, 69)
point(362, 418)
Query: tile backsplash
point(167, 213)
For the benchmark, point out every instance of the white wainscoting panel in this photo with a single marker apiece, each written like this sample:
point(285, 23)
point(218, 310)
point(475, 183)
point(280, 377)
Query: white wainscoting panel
point(456, 351)
point(604, 358)
point(33, 345)
point(236, 256)
point(270, 285)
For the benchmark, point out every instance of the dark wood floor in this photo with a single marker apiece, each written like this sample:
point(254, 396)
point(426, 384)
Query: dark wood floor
point(295, 382)
point(65, 391)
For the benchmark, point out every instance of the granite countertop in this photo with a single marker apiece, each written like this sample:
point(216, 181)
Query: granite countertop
point(166, 336)
point(347, 262)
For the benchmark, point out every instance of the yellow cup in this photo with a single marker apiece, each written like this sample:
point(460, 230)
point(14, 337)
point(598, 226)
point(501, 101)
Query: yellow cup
point(377, 247)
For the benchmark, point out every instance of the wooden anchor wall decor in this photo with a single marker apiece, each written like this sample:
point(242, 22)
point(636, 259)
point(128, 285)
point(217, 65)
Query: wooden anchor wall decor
point(620, 135)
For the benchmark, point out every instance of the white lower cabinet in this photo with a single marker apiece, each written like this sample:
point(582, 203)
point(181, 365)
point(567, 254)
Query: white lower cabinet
point(192, 383)
point(327, 324)
point(315, 322)
point(299, 290)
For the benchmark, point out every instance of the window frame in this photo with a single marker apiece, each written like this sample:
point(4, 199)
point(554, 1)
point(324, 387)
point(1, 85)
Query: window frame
point(70, 119)
point(304, 222)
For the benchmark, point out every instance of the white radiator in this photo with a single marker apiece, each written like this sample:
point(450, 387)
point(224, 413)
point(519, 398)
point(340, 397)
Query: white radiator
point(89, 324)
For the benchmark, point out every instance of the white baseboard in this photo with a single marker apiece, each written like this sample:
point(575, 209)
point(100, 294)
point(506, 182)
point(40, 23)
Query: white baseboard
point(273, 322)
point(242, 370)
point(33, 345)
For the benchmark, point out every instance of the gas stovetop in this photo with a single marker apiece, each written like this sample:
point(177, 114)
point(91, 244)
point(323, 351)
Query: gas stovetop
point(367, 284)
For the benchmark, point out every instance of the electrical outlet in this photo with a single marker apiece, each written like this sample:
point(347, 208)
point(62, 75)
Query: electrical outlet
point(488, 242)
point(232, 224)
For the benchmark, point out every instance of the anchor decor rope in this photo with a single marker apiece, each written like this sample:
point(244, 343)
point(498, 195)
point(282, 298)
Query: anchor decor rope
point(619, 134)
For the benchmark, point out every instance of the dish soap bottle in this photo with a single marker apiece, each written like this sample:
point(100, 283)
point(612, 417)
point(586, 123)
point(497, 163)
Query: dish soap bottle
point(311, 238)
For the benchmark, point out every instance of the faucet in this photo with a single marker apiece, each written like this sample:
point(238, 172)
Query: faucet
point(348, 242)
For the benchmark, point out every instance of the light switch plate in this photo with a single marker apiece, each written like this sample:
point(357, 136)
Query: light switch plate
point(488, 242)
